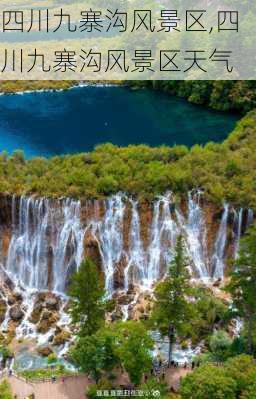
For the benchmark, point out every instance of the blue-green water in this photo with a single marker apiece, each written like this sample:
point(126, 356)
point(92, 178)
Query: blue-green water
point(50, 123)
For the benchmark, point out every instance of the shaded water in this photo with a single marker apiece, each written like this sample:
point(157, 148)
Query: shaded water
point(51, 123)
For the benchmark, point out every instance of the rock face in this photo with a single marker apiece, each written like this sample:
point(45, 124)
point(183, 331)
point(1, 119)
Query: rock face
point(118, 234)
point(45, 351)
point(61, 336)
point(47, 321)
point(16, 314)
point(91, 249)
point(3, 308)
point(52, 303)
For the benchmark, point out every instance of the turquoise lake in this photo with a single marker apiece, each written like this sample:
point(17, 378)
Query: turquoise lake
point(53, 123)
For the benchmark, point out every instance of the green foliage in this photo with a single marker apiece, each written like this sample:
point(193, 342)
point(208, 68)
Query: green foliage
point(97, 353)
point(5, 390)
point(221, 95)
point(58, 371)
point(243, 371)
point(52, 358)
point(226, 170)
point(220, 344)
point(125, 343)
point(87, 293)
point(208, 381)
point(250, 393)
point(234, 380)
point(237, 347)
point(209, 313)
point(5, 352)
point(172, 304)
point(155, 389)
point(243, 283)
point(134, 349)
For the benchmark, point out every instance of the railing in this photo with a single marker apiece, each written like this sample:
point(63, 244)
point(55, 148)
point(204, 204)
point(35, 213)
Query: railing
point(36, 380)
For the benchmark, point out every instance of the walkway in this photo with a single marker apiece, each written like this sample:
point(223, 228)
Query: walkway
point(71, 388)
point(174, 375)
point(74, 387)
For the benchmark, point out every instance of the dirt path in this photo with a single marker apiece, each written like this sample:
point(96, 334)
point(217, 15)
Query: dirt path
point(71, 388)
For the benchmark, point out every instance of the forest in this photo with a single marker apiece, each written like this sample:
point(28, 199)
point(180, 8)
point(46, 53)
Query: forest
point(223, 170)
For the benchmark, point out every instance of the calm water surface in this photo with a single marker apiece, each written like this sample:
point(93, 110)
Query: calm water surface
point(50, 123)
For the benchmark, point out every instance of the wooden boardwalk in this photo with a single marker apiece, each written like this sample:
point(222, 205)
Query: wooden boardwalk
point(71, 388)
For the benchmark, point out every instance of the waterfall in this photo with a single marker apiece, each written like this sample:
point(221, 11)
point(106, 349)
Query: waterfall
point(47, 242)
point(218, 265)
point(69, 238)
point(136, 267)
point(163, 234)
point(109, 234)
point(195, 235)
point(238, 232)
point(27, 255)
point(250, 217)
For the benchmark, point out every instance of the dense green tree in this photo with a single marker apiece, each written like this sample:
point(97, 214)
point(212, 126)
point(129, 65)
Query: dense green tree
point(220, 344)
point(243, 371)
point(225, 170)
point(210, 312)
point(243, 284)
point(250, 392)
point(125, 343)
point(172, 303)
point(134, 349)
point(97, 353)
point(88, 304)
point(208, 381)
point(155, 389)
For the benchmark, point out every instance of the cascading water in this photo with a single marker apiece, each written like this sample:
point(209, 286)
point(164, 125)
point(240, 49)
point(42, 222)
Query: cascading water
point(48, 239)
point(162, 238)
point(69, 236)
point(250, 217)
point(195, 234)
point(238, 232)
point(109, 234)
point(46, 243)
point(218, 264)
point(136, 264)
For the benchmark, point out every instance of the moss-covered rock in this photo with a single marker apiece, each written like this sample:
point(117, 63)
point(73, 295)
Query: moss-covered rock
point(48, 320)
point(3, 308)
point(61, 337)
point(45, 351)
point(16, 314)
point(36, 313)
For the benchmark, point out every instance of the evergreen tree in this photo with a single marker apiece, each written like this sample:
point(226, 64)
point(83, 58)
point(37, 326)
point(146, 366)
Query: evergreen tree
point(172, 305)
point(242, 285)
point(87, 293)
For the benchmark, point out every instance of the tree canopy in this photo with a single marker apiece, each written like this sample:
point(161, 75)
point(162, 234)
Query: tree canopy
point(225, 171)
point(243, 284)
point(172, 303)
point(88, 304)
